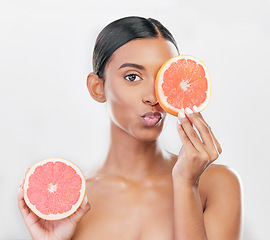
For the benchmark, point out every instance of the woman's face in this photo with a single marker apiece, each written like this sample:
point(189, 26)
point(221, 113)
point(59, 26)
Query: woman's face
point(129, 86)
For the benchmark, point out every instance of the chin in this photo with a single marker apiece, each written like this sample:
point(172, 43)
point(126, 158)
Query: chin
point(148, 135)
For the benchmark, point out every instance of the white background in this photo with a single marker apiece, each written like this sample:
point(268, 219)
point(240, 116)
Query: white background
point(45, 56)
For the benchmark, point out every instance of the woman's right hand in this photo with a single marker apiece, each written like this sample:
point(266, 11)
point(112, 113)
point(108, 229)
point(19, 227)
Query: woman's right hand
point(44, 229)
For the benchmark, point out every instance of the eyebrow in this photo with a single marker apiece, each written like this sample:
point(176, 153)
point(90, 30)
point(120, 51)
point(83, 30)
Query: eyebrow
point(134, 65)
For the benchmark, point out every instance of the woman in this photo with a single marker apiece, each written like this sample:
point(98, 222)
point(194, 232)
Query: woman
point(142, 191)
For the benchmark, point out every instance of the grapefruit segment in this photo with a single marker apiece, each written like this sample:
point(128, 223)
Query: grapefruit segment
point(54, 188)
point(183, 81)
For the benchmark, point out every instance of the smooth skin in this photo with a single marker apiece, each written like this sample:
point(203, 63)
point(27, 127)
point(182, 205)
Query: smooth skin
point(143, 192)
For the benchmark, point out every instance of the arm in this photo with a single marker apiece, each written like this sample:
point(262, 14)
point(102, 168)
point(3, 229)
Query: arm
point(188, 213)
point(221, 218)
point(197, 153)
point(223, 210)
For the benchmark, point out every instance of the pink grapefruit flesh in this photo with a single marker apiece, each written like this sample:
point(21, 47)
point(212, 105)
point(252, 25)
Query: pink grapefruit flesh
point(54, 188)
point(182, 82)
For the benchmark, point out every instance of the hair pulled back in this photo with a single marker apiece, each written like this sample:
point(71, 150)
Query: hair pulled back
point(121, 31)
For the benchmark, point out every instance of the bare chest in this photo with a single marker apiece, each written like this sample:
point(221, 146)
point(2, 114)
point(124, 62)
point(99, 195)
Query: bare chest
point(128, 213)
point(136, 212)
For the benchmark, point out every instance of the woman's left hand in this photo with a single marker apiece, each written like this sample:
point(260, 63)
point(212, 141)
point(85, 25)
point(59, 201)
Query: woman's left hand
point(198, 151)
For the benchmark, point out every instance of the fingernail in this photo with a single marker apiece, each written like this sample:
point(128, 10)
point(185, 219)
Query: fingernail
point(85, 199)
point(26, 170)
point(178, 121)
point(21, 182)
point(19, 189)
point(189, 111)
point(181, 114)
point(195, 109)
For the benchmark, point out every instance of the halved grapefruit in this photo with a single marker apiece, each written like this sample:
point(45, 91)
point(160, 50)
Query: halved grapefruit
point(54, 188)
point(183, 81)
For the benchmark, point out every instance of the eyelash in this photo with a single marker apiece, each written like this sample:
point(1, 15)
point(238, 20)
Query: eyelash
point(132, 75)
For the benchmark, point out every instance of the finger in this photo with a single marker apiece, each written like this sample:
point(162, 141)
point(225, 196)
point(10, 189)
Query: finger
point(190, 132)
point(29, 217)
point(218, 146)
point(23, 179)
point(21, 183)
point(201, 127)
point(26, 170)
point(81, 211)
point(187, 144)
point(205, 135)
point(211, 132)
point(27, 214)
point(190, 149)
point(24, 209)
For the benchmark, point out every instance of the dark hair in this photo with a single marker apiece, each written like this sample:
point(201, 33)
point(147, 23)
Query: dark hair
point(121, 31)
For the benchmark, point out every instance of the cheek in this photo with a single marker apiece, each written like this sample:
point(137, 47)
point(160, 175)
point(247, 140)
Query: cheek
point(116, 95)
point(120, 103)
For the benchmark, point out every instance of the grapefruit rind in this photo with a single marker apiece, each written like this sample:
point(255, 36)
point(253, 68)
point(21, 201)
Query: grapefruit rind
point(162, 99)
point(57, 216)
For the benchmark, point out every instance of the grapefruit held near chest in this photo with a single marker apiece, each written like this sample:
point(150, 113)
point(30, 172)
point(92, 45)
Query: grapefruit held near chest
point(54, 188)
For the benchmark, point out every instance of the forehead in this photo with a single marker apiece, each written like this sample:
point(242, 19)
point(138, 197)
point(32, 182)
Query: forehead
point(147, 51)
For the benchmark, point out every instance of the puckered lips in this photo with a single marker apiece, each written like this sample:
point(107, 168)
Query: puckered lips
point(151, 119)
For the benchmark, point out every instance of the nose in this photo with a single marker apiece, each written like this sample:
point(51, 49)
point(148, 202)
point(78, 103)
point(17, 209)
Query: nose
point(152, 103)
point(150, 95)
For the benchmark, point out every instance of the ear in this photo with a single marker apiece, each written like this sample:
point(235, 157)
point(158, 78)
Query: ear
point(95, 87)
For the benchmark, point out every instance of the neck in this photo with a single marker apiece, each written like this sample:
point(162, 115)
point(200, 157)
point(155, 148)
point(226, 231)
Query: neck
point(132, 158)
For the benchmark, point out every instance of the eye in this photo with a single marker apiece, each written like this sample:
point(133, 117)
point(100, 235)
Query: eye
point(132, 77)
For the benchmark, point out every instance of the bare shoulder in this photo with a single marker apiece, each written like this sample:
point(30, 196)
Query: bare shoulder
point(218, 174)
point(220, 188)
point(92, 173)
point(92, 177)
point(220, 181)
